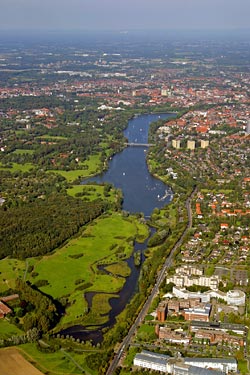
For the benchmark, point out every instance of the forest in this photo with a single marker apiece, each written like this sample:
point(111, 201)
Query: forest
point(41, 226)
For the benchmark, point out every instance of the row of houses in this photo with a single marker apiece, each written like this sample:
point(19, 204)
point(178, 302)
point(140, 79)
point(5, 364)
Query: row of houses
point(202, 335)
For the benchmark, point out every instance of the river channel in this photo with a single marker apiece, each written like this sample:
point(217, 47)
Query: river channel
point(142, 192)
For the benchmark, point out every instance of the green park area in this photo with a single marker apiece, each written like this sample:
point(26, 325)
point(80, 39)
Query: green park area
point(58, 362)
point(91, 192)
point(87, 168)
point(15, 167)
point(22, 152)
point(10, 269)
point(7, 329)
point(72, 270)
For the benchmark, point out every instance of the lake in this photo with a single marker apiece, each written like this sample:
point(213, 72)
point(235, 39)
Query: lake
point(128, 170)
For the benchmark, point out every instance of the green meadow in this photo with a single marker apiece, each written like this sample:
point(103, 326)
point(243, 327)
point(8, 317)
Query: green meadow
point(56, 363)
point(73, 269)
point(48, 137)
point(90, 192)
point(8, 330)
point(15, 167)
point(22, 152)
point(87, 168)
point(10, 269)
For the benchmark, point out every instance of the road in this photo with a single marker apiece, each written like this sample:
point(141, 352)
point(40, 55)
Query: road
point(168, 262)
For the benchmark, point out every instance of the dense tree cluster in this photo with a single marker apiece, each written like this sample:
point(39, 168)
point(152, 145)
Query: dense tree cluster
point(44, 315)
point(41, 226)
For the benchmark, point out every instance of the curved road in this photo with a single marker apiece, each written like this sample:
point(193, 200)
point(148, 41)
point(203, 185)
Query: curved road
point(168, 262)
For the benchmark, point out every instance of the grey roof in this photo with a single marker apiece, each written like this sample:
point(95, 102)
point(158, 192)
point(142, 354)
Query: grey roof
point(156, 355)
point(194, 370)
point(210, 360)
point(149, 359)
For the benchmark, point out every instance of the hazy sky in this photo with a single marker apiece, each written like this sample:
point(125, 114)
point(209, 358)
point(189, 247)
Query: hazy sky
point(124, 14)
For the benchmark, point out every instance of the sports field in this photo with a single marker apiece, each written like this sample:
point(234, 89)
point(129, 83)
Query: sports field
point(12, 363)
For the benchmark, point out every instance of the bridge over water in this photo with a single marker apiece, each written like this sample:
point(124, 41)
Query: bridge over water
point(139, 144)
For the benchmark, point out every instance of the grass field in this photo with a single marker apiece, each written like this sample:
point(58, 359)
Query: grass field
point(86, 169)
point(73, 269)
point(103, 242)
point(57, 363)
point(48, 137)
point(91, 192)
point(9, 270)
point(22, 151)
point(13, 363)
point(18, 167)
point(7, 330)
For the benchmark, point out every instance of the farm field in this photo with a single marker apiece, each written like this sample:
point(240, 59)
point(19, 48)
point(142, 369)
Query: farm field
point(13, 363)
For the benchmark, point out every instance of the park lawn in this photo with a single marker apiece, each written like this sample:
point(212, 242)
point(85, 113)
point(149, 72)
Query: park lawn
point(243, 367)
point(22, 152)
point(223, 191)
point(56, 363)
point(146, 332)
point(91, 192)
point(26, 167)
point(87, 168)
point(10, 269)
point(104, 241)
point(146, 328)
point(92, 163)
point(7, 329)
point(73, 175)
point(49, 137)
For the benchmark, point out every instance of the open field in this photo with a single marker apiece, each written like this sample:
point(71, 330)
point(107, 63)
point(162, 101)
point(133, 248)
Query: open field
point(7, 330)
point(86, 169)
point(10, 269)
point(90, 192)
point(49, 137)
point(18, 167)
point(13, 363)
point(22, 151)
point(105, 241)
point(73, 269)
point(58, 362)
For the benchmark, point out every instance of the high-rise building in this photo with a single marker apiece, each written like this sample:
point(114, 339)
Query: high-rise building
point(176, 143)
point(162, 311)
point(190, 145)
point(204, 143)
point(248, 127)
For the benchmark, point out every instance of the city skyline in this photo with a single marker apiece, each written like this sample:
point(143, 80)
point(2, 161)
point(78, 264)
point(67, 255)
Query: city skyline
point(120, 15)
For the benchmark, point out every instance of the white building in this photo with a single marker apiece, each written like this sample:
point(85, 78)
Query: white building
point(204, 143)
point(185, 366)
point(236, 297)
point(221, 364)
point(153, 361)
point(186, 280)
point(176, 143)
point(190, 145)
point(233, 297)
